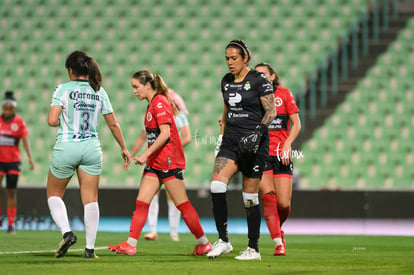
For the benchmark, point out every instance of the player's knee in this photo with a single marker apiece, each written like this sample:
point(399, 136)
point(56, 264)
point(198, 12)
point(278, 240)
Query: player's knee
point(218, 187)
point(250, 199)
point(284, 204)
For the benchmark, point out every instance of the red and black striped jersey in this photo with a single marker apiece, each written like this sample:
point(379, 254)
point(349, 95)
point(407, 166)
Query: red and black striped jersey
point(171, 154)
point(280, 126)
point(10, 135)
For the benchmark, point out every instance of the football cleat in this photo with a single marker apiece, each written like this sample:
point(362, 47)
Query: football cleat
point(280, 251)
point(68, 240)
point(152, 236)
point(114, 247)
point(201, 249)
point(11, 229)
point(283, 239)
point(174, 238)
point(249, 254)
point(126, 249)
point(90, 253)
point(219, 248)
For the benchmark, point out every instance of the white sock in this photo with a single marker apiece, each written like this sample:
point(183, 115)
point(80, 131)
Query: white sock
point(91, 218)
point(278, 241)
point(202, 240)
point(153, 214)
point(174, 216)
point(59, 214)
point(132, 241)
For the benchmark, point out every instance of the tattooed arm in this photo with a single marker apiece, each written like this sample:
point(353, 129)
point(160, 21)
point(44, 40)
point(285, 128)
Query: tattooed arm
point(268, 103)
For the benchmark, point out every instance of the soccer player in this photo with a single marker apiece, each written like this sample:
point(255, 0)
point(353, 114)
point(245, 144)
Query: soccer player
point(174, 214)
point(276, 184)
point(12, 129)
point(76, 108)
point(165, 163)
point(248, 110)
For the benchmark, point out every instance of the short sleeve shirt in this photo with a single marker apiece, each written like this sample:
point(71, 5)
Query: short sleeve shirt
point(171, 154)
point(10, 135)
point(280, 126)
point(242, 99)
point(81, 110)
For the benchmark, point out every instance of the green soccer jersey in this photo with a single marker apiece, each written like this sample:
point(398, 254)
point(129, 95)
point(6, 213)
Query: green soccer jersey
point(81, 110)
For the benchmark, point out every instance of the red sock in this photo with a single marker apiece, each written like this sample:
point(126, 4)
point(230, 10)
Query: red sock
point(139, 218)
point(11, 215)
point(283, 214)
point(191, 219)
point(271, 215)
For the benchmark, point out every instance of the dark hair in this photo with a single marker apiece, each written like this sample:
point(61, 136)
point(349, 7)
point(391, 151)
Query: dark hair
point(242, 46)
point(83, 65)
point(276, 81)
point(157, 83)
point(9, 98)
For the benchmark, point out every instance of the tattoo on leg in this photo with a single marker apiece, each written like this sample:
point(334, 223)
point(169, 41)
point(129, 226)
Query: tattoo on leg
point(219, 165)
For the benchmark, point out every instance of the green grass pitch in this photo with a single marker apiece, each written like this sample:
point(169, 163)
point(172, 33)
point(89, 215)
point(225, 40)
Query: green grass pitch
point(32, 252)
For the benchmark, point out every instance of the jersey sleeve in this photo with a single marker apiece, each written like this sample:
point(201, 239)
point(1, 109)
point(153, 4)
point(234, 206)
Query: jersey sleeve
point(106, 103)
point(163, 112)
point(57, 96)
point(291, 106)
point(263, 86)
point(181, 120)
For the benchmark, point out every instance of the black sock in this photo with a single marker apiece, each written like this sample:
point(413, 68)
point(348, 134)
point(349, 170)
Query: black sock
point(220, 214)
point(253, 225)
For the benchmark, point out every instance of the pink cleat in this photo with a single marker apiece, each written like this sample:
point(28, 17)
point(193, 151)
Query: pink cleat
point(280, 251)
point(114, 247)
point(126, 249)
point(201, 249)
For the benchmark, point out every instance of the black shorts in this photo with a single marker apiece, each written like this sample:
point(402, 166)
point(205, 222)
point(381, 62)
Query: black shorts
point(274, 164)
point(12, 172)
point(164, 175)
point(10, 168)
point(251, 165)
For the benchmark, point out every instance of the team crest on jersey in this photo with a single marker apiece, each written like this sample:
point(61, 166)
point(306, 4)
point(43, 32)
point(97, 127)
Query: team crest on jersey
point(278, 101)
point(14, 127)
point(247, 86)
point(149, 116)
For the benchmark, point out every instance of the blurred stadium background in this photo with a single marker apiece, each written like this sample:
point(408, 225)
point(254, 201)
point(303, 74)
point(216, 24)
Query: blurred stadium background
point(349, 64)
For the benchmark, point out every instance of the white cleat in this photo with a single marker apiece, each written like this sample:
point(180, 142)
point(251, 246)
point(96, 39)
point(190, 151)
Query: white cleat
point(249, 254)
point(220, 248)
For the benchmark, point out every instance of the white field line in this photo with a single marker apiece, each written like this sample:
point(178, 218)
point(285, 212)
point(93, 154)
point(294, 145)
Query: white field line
point(46, 251)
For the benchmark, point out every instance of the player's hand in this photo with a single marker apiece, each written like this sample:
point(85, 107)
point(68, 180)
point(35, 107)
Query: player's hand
point(127, 159)
point(31, 164)
point(250, 142)
point(141, 159)
point(286, 155)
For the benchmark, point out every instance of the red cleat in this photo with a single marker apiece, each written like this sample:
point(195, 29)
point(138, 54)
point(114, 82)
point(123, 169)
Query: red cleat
point(280, 251)
point(126, 249)
point(283, 239)
point(114, 247)
point(201, 249)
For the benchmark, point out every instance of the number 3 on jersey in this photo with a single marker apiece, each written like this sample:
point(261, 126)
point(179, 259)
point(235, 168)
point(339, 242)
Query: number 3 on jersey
point(85, 121)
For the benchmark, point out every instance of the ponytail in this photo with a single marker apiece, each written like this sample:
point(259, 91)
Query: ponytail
point(83, 65)
point(162, 88)
point(94, 74)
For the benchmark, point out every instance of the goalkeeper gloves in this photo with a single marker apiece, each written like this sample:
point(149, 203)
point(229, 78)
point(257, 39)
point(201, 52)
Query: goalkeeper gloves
point(250, 143)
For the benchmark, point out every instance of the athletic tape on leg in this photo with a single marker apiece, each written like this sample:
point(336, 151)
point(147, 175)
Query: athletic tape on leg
point(218, 187)
point(250, 199)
